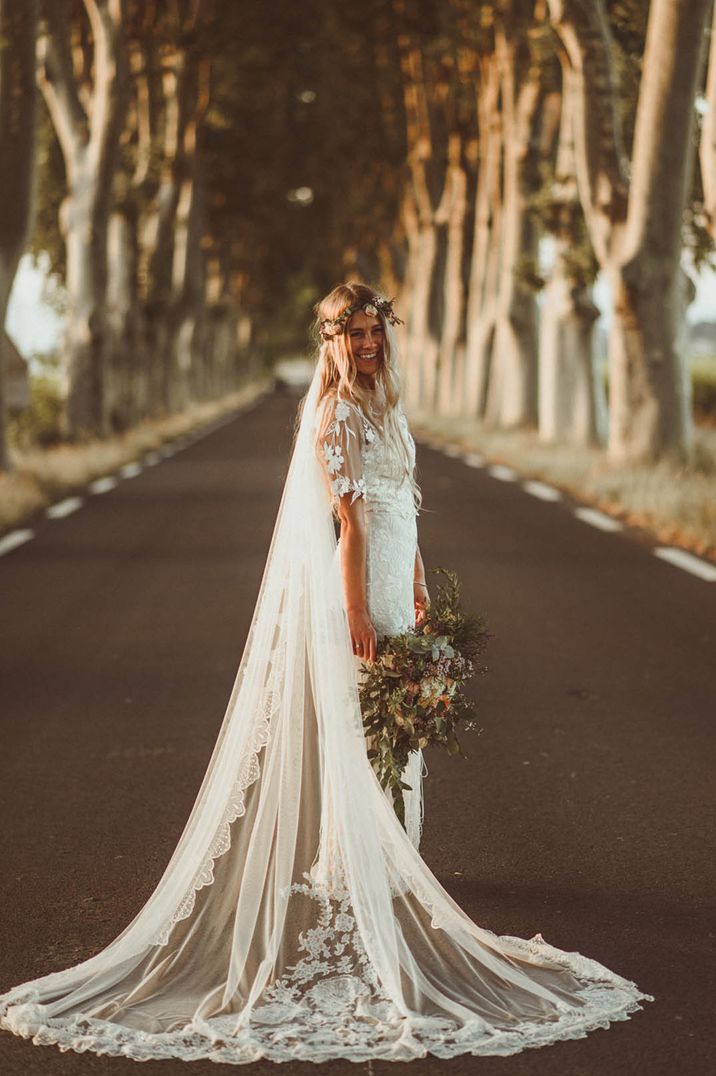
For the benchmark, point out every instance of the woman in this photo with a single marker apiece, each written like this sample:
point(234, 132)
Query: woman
point(296, 919)
point(369, 457)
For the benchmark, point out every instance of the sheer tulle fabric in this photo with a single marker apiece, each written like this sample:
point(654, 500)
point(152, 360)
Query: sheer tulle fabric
point(296, 919)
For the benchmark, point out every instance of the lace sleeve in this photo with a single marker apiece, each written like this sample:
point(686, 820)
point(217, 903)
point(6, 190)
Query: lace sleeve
point(340, 449)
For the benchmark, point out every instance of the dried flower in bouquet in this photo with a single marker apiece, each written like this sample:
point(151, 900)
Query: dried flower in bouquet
point(413, 695)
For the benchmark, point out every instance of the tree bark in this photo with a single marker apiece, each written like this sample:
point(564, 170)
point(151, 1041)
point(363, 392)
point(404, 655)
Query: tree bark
point(126, 374)
point(18, 110)
point(650, 392)
point(185, 357)
point(451, 215)
point(707, 148)
point(567, 385)
point(567, 389)
point(512, 391)
point(486, 243)
point(419, 222)
point(639, 247)
point(88, 118)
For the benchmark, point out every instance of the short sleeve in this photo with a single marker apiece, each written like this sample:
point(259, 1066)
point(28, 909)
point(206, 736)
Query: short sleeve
point(340, 447)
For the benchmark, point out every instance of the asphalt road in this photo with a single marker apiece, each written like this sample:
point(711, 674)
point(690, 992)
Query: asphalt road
point(582, 811)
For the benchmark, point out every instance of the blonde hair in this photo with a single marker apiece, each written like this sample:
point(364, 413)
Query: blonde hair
point(339, 375)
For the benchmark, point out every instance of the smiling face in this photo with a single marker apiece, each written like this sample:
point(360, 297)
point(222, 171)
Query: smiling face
point(366, 343)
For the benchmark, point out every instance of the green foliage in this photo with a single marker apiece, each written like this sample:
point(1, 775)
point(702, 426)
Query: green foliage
point(413, 696)
point(46, 239)
point(703, 388)
point(40, 424)
point(697, 236)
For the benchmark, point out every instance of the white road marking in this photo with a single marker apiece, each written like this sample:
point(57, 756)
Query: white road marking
point(102, 485)
point(474, 459)
point(64, 508)
point(151, 459)
point(600, 520)
point(505, 474)
point(130, 470)
point(681, 559)
point(166, 451)
point(452, 451)
point(15, 538)
point(542, 490)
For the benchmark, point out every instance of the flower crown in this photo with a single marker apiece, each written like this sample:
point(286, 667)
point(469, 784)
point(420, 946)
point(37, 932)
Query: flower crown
point(329, 328)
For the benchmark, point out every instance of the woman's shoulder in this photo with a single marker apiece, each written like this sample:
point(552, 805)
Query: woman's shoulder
point(338, 407)
point(337, 415)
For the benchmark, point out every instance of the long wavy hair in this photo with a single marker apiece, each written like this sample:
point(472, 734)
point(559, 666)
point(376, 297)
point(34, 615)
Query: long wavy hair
point(339, 374)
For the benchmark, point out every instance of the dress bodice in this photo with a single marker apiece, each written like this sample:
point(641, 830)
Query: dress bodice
point(362, 461)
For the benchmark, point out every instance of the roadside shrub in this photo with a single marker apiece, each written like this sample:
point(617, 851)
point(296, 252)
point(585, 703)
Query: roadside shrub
point(40, 424)
point(703, 382)
point(703, 389)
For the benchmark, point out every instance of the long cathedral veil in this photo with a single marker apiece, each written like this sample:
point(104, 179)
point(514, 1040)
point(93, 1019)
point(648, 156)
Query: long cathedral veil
point(295, 919)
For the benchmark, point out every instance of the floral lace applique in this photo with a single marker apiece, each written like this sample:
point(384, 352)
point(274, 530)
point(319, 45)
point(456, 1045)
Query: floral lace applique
point(334, 982)
point(342, 453)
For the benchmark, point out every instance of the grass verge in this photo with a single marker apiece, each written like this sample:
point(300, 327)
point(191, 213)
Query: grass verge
point(676, 503)
point(44, 475)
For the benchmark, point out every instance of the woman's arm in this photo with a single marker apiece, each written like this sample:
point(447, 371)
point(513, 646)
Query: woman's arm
point(353, 569)
point(341, 440)
point(420, 589)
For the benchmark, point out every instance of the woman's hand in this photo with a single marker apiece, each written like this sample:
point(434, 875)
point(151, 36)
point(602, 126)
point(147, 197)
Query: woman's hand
point(363, 636)
point(421, 599)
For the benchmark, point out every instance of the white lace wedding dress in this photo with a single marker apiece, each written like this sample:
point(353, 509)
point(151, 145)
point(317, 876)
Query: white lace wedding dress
point(296, 919)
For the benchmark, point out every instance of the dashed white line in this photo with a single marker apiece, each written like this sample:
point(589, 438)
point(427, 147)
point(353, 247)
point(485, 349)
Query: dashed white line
point(130, 470)
point(542, 490)
point(151, 459)
point(681, 559)
point(15, 538)
point(505, 474)
point(597, 519)
point(166, 451)
point(102, 485)
point(64, 508)
point(678, 557)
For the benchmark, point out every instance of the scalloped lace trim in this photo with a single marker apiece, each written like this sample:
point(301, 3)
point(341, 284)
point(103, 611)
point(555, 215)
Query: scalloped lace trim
point(302, 1037)
point(248, 774)
point(330, 1006)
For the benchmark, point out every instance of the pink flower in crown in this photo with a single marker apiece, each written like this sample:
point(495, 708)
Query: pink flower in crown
point(329, 329)
point(371, 310)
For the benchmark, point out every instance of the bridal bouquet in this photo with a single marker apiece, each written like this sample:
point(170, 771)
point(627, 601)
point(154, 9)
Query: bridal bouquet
point(412, 696)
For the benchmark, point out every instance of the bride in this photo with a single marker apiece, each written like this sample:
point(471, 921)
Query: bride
point(296, 919)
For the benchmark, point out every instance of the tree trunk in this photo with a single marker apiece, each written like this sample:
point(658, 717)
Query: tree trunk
point(567, 390)
point(486, 243)
point(419, 219)
point(650, 396)
point(185, 358)
point(18, 108)
point(567, 385)
point(639, 247)
point(451, 214)
point(708, 137)
point(88, 119)
point(127, 381)
point(512, 391)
